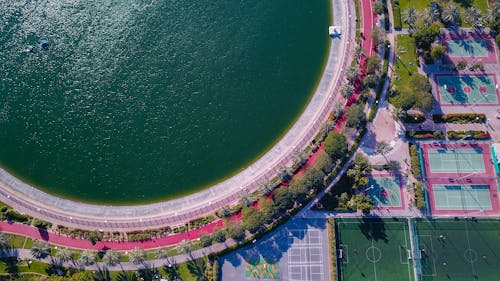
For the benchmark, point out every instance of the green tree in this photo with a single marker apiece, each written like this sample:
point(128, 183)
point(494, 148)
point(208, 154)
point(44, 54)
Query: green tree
point(336, 146)
point(219, 235)
point(438, 51)
point(247, 199)
point(137, 256)
point(224, 211)
point(353, 73)
point(285, 173)
point(425, 35)
point(236, 231)
point(64, 254)
point(251, 219)
point(40, 250)
point(355, 116)
point(347, 90)
point(299, 188)
point(94, 236)
point(267, 187)
point(283, 199)
point(81, 276)
point(205, 239)
point(382, 148)
point(410, 16)
point(373, 64)
point(472, 15)
point(424, 101)
point(111, 258)
point(161, 253)
point(268, 209)
point(324, 162)
point(185, 247)
point(127, 276)
point(4, 240)
point(359, 52)
point(338, 110)
point(87, 257)
point(371, 81)
point(461, 65)
point(451, 14)
point(378, 8)
point(300, 158)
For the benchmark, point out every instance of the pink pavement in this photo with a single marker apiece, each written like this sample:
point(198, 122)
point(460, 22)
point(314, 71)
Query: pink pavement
point(66, 241)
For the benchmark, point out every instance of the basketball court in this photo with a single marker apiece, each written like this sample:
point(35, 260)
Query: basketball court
point(385, 191)
point(466, 89)
point(374, 249)
point(469, 46)
point(460, 250)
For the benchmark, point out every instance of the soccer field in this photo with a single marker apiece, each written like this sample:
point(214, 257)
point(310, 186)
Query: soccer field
point(374, 249)
point(459, 250)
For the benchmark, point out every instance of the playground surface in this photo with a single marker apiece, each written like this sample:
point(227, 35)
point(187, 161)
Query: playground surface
point(374, 249)
point(385, 191)
point(455, 89)
point(459, 250)
point(296, 251)
point(460, 179)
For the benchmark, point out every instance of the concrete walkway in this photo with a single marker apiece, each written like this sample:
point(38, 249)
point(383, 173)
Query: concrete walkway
point(27, 199)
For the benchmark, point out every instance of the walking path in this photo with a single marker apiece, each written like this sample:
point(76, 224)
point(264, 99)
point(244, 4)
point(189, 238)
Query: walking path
point(27, 199)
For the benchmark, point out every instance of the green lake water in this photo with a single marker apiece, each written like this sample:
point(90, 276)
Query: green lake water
point(142, 101)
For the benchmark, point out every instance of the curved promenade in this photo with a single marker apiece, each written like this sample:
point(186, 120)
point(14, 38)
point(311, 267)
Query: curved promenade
point(27, 199)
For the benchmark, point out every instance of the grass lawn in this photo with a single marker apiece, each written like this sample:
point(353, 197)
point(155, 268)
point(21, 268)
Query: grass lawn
point(422, 4)
point(406, 63)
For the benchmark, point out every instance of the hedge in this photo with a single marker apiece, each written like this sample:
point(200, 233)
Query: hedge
point(414, 118)
point(414, 161)
point(436, 134)
point(14, 216)
point(478, 135)
point(419, 195)
point(459, 118)
point(333, 248)
point(396, 12)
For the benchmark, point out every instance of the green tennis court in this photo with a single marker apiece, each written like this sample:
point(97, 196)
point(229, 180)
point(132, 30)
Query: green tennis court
point(384, 191)
point(462, 197)
point(467, 48)
point(456, 161)
point(374, 249)
point(459, 250)
point(467, 89)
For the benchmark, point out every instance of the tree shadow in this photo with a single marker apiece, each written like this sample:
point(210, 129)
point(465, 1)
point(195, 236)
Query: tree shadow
point(373, 228)
point(197, 267)
point(171, 269)
point(101, 274)
point(148, 273)
point(56, 267)
point(11, 265)
point(44, 234)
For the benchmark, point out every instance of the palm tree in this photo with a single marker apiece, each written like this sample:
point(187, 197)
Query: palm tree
point(359, 52)
point(451, 14)
point(101, 274)
point(353, 73)
point(338, 110)
point(87, 257)
point(347, 90)
point(185, 247)
point(267, 187)
point(492, 13)
point(111, 258)
point(247, 199)
point(285, 173)
point(137, 256)
point(161, 253)
point(64, 254)
point(410, 16)
point(127, 276)
point(472, 15)
point(300, 158)
point(4, 240)
point(225, 211)
point(40, 250)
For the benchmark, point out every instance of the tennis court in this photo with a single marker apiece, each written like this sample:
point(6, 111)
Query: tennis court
point(459, 250)
point(385, 191)
point(459, 161)
point(374, 249)
point(466, 89)
point(467, 48)
point(462, 197)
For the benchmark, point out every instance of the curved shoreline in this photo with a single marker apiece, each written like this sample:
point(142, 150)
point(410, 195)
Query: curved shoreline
point(27, 199)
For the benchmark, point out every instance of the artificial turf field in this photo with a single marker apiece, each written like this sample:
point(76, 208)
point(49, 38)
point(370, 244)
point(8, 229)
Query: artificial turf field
point(374, 249)
point(459, 250)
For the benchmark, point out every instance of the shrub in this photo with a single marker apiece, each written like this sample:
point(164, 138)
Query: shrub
point(461, 65)
point(41, 224)
point(12, 215)
point(419, 195)
point(396, 11)
point(436, 134)
point(478, 135)
point(414, 161)
point(414, 118)
point(459, 118)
